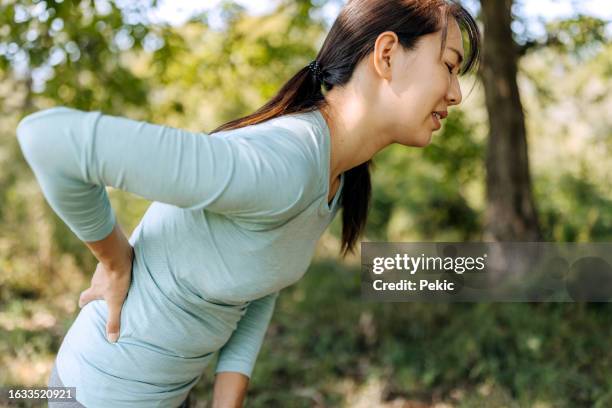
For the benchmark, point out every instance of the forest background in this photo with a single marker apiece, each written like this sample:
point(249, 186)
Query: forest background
point(204, 66)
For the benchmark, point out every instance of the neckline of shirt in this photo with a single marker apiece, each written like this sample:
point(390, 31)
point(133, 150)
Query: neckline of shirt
point(327, 140)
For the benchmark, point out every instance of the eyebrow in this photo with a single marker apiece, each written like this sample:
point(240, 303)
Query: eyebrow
point(458, 54)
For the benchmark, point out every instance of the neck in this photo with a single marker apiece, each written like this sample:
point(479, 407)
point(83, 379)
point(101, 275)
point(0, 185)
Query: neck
point(355, 137)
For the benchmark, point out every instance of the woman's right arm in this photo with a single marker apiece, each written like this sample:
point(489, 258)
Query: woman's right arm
point(230, 390)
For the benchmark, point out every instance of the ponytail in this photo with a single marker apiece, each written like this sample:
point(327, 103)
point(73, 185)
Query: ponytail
point(350, 40)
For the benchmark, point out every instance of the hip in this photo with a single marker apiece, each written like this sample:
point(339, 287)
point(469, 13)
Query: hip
point(55, 381)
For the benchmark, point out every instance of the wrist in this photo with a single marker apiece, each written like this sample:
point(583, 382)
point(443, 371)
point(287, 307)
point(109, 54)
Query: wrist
point(114, 252)
point(120, 263)
point(229, 389)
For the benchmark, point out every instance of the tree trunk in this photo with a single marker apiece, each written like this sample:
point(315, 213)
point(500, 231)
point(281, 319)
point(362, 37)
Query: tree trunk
point(511, 213)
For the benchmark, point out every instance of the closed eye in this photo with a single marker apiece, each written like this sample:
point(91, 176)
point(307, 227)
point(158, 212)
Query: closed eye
point(450, 68)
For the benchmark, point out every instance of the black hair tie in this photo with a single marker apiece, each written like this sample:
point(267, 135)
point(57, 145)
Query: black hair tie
point(316, 70)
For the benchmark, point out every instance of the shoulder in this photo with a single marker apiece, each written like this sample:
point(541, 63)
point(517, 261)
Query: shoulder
point(293, 133)
point(281, 160)
point(291, 142)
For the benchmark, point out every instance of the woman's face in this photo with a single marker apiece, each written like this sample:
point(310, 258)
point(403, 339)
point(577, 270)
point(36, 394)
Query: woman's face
point(419, 82)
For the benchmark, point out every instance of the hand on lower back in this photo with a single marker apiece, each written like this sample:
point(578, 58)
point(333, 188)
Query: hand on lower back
point(111, 285)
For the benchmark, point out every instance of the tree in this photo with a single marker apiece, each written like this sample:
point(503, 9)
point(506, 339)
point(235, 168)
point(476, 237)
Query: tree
point(74, 53)
point(511, 213)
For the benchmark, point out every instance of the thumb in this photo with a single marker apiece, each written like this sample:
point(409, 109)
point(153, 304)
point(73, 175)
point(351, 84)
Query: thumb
point(87, 296)
point(114, 322)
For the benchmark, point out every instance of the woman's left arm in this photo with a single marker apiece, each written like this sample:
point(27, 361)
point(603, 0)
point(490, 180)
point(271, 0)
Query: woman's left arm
point(112, 277)
point(115, 251)
point(76, 154)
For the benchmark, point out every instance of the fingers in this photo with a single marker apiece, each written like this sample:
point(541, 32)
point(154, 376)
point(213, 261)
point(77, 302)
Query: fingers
point(114, 313)
point(114, 322)
point(87, 296)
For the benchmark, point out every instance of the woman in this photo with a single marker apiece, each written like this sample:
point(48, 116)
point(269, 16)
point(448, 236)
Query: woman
point(236, 214)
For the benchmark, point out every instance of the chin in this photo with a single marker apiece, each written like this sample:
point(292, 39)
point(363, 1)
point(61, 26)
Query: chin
point(421, 141)
point(415, 139)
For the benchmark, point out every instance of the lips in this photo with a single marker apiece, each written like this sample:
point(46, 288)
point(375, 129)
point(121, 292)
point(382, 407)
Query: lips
point(436, 121)
point(437, 116)
point(441, 114)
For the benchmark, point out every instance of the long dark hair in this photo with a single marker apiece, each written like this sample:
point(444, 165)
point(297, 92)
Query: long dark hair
point(350, 39)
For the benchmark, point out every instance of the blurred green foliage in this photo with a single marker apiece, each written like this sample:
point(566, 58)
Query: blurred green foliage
point(468, 355)
point(325, 346)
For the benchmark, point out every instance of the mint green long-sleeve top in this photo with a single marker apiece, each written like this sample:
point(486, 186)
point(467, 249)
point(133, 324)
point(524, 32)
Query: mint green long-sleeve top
point(235, 217)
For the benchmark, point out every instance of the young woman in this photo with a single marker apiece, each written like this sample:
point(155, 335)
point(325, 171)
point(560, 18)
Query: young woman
point(236, 213)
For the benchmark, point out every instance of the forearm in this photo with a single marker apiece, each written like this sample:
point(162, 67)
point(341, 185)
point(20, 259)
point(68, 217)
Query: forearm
point(112, 251)
point(230, 389)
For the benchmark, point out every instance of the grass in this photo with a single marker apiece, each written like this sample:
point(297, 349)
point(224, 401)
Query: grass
point(326, 347)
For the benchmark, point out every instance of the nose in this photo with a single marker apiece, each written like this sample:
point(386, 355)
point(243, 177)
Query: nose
point(454, 96)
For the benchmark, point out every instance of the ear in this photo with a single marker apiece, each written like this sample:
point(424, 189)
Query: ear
point(385, 49)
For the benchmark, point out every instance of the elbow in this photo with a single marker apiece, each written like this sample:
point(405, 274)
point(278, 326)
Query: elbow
point(27, 136)
point(32, 131)
point(27, 131)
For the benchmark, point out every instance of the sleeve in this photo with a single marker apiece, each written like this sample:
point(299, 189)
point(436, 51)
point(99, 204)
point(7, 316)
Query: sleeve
point(74, 154)
point(241, 350)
